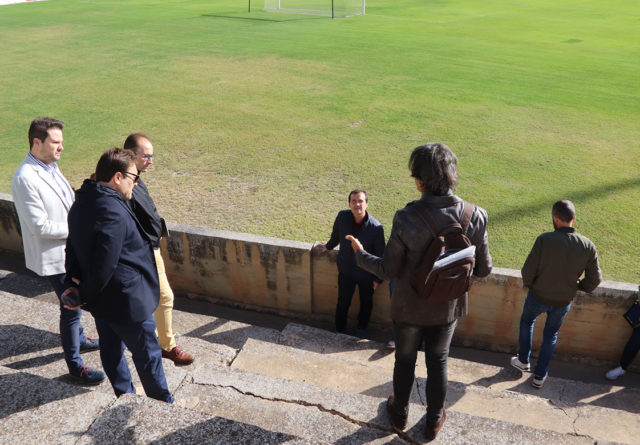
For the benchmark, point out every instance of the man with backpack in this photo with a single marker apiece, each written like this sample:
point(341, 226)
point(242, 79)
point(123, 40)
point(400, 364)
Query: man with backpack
point(421, 308)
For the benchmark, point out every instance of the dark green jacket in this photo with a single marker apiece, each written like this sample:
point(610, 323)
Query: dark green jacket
point(557, 260)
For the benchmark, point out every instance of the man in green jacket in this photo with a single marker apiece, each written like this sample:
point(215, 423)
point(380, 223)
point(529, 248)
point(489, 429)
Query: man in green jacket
point(552, 273)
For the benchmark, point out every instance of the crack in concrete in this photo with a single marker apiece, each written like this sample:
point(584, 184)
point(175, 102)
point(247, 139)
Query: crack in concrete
point(561, 408)
point(558, 407)
point(574, 419)
point(575, 430)
point(403, 435)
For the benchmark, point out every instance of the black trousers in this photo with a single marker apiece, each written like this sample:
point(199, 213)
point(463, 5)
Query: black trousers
point(631, 349)
point(409, 339)
point(346, 288)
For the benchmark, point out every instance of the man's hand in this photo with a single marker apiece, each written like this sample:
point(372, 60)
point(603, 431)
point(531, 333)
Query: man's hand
point(322, 246)
point(375, 285)
point(71, 298)
point(355, 244)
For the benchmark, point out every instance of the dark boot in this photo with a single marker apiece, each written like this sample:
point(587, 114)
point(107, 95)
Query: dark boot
point(431, 431)
point(398, 418)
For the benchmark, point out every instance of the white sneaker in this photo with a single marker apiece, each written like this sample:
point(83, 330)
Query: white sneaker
point(516, 363)
point(537, 382)
point(615, 373)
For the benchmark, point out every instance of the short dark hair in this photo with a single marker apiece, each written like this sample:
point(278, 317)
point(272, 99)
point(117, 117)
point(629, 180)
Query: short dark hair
point(131, 143)
point(39, 128)
point(112, 161)
point(564, 210)
point(356, 191)
point(435, 166)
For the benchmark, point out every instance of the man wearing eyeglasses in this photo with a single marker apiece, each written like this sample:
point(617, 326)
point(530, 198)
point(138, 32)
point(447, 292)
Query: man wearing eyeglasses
point(155, 227)
point(43, 197)
point(110, 268)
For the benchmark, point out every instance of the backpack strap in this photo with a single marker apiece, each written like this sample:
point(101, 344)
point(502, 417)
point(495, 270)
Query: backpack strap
point(436, 228)
point(466, 216)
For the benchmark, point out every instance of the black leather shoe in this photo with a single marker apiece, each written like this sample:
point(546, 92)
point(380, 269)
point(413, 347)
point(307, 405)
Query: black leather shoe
point(398, 418)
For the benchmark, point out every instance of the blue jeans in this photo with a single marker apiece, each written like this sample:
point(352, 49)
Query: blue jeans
point(140, 338)
point(555, 317)
point(71, 331)
point(409, 339)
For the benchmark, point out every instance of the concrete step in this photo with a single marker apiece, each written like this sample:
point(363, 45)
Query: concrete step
point(306, 410)
point(561, 391)
point(360, 366)
point(252, 384)
point(42, 410)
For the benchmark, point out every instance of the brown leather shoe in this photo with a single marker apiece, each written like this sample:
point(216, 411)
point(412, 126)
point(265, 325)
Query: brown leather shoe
point(398, 419)
point(431, 431)
point(178, 356)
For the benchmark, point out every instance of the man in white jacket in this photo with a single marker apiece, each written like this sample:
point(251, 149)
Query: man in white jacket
point(43, 197)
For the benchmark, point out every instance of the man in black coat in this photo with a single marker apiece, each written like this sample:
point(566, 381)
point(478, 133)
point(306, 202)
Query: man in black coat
point(155, 228)
point(357, 222)
point(110, 267)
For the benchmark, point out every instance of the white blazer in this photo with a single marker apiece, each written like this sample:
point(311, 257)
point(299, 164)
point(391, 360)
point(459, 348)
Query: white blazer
point(42, 210)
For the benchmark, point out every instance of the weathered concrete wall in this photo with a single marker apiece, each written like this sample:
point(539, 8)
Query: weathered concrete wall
point(292, 278)
point(9, 227)
point(250, 270)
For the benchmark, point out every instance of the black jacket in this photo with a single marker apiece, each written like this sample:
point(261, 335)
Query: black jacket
point(409, 239)
point(110, 255)
point(371, 235)
point(145, 210)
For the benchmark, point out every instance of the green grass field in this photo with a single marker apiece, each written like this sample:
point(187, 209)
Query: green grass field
point(263, 122)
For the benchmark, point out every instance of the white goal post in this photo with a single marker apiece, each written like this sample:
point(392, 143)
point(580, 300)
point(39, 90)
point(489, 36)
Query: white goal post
point(328, 8)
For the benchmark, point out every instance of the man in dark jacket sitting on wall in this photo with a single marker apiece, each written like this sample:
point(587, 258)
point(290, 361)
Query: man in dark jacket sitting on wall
point(357, 222)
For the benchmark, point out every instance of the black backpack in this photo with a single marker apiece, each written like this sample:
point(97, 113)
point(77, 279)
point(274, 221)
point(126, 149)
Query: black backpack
point(444, 273)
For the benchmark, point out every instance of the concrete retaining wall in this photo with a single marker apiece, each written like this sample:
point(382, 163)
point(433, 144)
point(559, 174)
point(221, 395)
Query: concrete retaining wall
point(291, 278)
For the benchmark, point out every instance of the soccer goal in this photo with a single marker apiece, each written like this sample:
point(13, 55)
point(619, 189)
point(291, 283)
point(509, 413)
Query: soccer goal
point(329, 8)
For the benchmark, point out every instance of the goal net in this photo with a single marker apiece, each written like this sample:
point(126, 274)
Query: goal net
point(330, 8)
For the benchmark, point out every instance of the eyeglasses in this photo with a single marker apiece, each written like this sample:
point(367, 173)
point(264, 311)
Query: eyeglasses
point(146, 157)
point(135, 177)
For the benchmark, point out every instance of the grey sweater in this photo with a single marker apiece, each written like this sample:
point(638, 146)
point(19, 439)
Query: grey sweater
point(555, 264)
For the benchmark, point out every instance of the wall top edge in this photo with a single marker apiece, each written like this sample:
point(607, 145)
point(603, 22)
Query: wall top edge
point(6, 197)
point(606, 287)
point(239, 236)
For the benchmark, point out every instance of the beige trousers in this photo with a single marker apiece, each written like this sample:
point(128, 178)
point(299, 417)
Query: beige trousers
point(164, 327)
